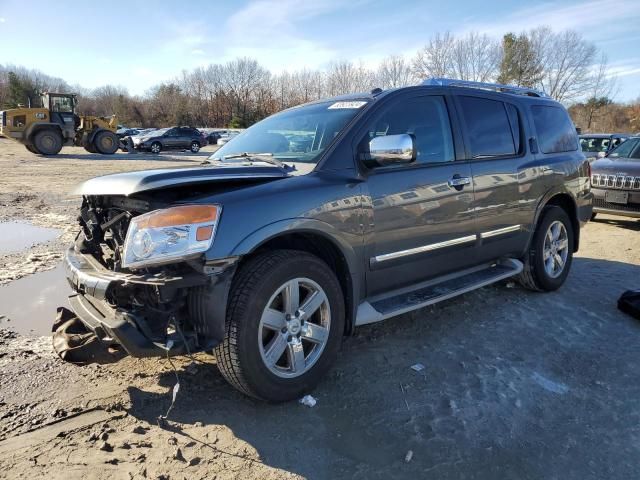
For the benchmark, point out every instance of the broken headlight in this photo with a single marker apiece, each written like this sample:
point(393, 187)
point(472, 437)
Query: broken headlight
point(167, 235)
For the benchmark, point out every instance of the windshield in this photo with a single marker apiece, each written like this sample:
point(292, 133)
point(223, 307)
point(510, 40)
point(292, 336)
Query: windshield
point(594, 144)
point(628, 149)
point(298, 135)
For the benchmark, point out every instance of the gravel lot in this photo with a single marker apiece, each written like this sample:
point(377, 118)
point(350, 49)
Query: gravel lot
point(516, 385)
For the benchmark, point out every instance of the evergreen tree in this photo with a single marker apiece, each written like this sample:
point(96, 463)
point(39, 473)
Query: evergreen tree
point(520, 63)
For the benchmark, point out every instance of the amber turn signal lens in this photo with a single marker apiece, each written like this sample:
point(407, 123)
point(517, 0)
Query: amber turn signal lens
point(185, 215)
point(204, 233)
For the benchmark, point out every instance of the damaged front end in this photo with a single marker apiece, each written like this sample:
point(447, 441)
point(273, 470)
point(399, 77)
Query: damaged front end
point(175, 308)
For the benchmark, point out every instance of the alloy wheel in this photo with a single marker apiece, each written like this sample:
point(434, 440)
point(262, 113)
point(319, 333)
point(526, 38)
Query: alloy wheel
point(294, 328)
point(555, 249)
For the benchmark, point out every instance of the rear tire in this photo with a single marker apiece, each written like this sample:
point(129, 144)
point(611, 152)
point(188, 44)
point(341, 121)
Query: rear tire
point(32, 149)
point(106, 142)
point(593, 216)
point(548, 261)
point(90, 147)
point(48, 142)
point(267, 354)
point(195, 147)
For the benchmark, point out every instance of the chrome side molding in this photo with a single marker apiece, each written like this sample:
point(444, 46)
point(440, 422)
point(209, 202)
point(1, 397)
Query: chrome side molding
point(425, 248)
point(447, 243)
point(500, 231)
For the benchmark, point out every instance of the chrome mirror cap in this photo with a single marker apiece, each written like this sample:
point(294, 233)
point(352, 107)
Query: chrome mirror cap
point(389, 149)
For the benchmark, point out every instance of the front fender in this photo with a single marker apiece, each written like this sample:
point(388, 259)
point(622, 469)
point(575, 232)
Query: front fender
point(298, 225)
point(339, 239)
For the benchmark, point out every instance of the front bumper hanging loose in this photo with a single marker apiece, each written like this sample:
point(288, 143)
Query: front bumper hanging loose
point(129, 328)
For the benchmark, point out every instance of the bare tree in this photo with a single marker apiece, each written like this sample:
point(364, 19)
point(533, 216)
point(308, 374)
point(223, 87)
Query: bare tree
point(393, 72)
point(476, 57)
point(566, 60)
point(434, 59)
point(345, 77)
point(600, 92)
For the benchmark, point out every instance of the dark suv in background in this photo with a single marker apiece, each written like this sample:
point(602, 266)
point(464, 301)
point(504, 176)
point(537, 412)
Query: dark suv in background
point(616, 180)
point(328, 216)
point(174, 138)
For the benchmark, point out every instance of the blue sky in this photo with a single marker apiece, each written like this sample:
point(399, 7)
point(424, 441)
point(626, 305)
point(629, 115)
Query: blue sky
point(138, 44)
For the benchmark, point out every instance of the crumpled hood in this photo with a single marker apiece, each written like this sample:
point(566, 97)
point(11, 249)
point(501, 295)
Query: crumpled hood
point(145, 180)
point(629, 167)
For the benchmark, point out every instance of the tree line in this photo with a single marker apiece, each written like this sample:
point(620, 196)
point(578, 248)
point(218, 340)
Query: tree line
point(240, 92)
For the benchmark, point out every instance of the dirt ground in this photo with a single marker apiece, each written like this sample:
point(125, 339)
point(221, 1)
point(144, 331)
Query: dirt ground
point(516, 385)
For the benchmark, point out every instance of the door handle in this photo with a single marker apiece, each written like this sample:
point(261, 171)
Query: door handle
point(458, 182)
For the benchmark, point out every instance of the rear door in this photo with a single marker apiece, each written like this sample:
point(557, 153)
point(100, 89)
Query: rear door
point(422, 224)
point(186, 136)
point(492, 128)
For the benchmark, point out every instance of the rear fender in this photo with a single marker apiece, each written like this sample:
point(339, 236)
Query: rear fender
point(574, 216)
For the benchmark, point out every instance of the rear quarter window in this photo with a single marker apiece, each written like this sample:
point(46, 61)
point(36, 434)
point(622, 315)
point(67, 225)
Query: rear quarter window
point(556, 132)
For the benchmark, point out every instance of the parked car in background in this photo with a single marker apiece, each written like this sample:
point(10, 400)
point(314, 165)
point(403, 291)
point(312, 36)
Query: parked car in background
point(214, 135)
point(174, 138)
point(127, 132)
point(227, 136)
point(276, 250)
point(615, 180)
point(597, 145)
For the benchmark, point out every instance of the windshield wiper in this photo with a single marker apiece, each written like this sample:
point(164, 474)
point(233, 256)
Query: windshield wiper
point(262, 157)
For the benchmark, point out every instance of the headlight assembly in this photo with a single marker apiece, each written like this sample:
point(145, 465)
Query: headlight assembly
point(167, 235)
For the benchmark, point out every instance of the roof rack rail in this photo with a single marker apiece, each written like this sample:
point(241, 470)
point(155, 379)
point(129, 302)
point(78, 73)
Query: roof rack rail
point(497, 87)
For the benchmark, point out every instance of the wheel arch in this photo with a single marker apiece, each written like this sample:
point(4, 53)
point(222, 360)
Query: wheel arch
point(566, 201)
point(318, 241)
point(34, 128)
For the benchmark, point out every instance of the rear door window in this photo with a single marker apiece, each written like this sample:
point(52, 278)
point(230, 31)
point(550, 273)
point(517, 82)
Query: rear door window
point(556, 132)
point(489, 127)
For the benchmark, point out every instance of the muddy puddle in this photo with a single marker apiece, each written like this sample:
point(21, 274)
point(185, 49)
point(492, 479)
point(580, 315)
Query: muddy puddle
point(18, 236)
point(28, 305)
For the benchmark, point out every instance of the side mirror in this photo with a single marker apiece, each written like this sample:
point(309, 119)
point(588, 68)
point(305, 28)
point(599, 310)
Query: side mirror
point(391, 149)
point(602, 154)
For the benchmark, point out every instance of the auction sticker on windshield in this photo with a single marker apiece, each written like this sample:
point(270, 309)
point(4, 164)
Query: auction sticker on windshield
point(347, 105)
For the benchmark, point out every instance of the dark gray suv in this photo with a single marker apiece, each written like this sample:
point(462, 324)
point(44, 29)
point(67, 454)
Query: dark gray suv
point(175, 138)
point(328, 216)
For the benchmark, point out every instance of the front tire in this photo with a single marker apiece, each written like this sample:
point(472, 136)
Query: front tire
point(32, 149)
point(551, 252)
point(48, 142)
point(106, 142)
point(156, 147)
point(285, 321)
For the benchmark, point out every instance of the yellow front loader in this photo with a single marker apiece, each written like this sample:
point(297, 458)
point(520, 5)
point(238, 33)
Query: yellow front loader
point(46, 130)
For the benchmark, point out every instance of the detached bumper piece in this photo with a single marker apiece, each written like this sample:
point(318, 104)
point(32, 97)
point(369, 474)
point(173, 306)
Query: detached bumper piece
point(157, 310)
point(74, 343)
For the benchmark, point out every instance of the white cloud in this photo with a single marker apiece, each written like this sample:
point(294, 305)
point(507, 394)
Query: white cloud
point(272, 31)
point(591, 18)
point(142, 72)
point(2, 19)
point(197, 51)
point(624, 68)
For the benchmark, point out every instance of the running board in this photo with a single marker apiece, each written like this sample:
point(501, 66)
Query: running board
point(405, 300)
